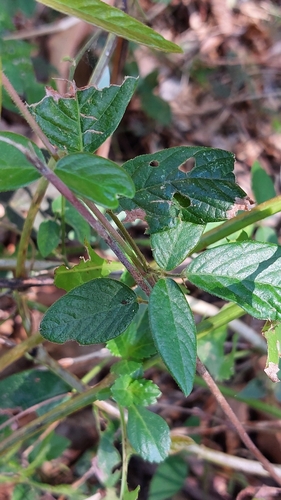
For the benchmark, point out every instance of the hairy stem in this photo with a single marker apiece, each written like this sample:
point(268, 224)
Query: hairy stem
point(28, 226)
point(27, 115)
point(82, 209)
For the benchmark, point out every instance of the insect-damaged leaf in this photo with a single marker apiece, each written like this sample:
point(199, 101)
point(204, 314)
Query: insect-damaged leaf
point(91, 313)
point(83, 120)
point(248, 273)
point(168, 194)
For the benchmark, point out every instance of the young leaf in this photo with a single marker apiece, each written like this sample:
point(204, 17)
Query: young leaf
point(87, 270)
point(48, 237)
point(148, 433)
point(96, 178)
point(127, 391)
point(91, 313)
point(113, 20)
point(171, 247)
point(174, 332)
point(83, 121)
point(168, 194)
point(247, 273)
point(15, 169)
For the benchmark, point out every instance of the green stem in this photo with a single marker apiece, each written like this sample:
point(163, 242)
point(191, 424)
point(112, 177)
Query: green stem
point(27, 115)
point(81, 53)
point(242, 220)
point(129, 239)
point(227, 313)
point(17, 352)
point(63, 233)
point(125, 455)
point(76, 403)
point(28, 226)
point(253, 403)
point(103, 60)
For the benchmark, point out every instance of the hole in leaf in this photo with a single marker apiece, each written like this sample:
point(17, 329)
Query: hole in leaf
point(182, 200)
point(187, 165)
point(154, 163)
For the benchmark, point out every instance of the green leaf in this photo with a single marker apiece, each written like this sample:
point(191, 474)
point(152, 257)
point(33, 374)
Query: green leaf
point(91, 313)
point(174, 332)
point(211, 352)
point(273, 338)
point(266, 234)
point(136, 342)
point(48, 237)
point(73, 219)
point(83, 121)
point(127, 391)
point(262, 184)
point(18, 67)
point(51, 447)
point(24, 492)
point(148, 433)
point(15, 169)
point(108, 458)
point(126, 367)
point(87, 270)
point(96, 178)
point(171, 247)
point(113, 20)
point(247, 273)
point(168, 194)
point(168, 479)
point(131, 495)
point(15, 389)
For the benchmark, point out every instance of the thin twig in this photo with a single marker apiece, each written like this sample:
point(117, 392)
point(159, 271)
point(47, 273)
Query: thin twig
point(82, 209)
point(203, 372)
point(27, 115)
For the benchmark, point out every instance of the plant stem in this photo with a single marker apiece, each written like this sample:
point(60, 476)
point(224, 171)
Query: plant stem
point(129, 239)
point(81, 53)
point(28, 226)
point(76, 403)
point(27, 115)
point(17, 352)
point(228, 313)
point(125, 455)
point(242, 220)
point(82, 209)
point(203, 372)
point(103, 60)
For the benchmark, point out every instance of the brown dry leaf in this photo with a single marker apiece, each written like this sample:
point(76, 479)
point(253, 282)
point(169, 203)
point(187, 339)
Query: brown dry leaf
point(240, 204)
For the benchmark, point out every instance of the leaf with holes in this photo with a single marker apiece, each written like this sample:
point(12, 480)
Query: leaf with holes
point(83, 120)
point(91, 313)
point(168, 194)
point(174, 332)
point(96, 178)
point(248, 273)
point(87, 269)
point(113, 20)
